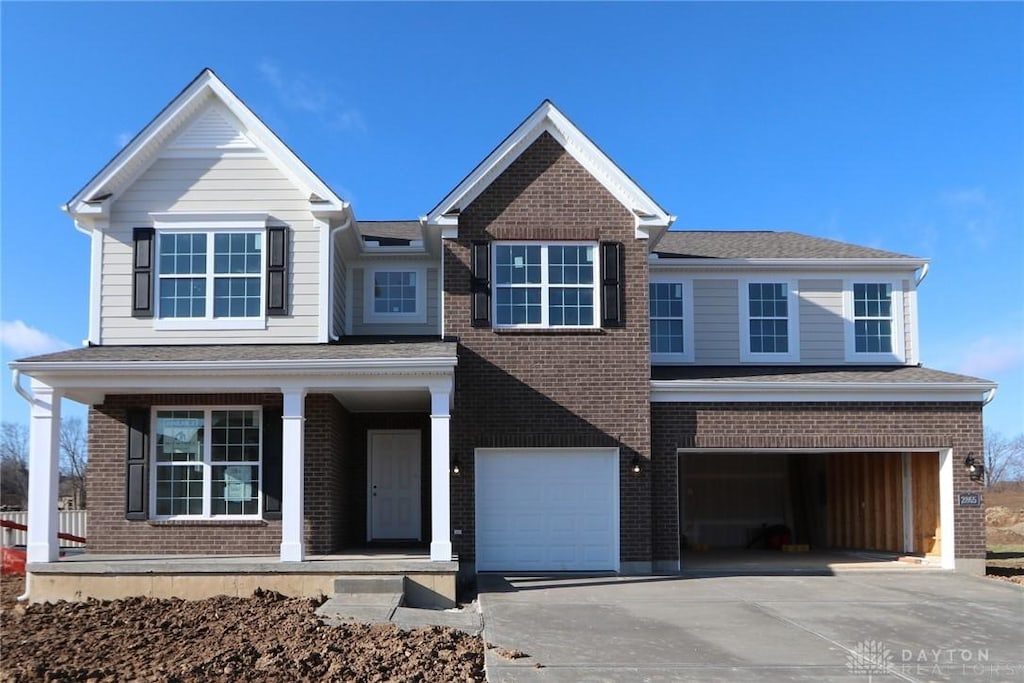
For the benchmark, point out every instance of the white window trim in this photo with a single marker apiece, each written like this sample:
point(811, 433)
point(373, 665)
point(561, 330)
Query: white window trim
point(206, 462)
point(545, 286)
point(899, 350)
point(210, 225)
point(792, 322)
point(687, 355)
point(418, 316)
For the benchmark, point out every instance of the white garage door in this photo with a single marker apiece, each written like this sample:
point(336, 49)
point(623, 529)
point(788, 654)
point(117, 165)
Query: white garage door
point(547, 510)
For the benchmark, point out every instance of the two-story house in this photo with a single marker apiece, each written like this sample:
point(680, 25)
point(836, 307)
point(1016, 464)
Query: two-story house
point(536, 375)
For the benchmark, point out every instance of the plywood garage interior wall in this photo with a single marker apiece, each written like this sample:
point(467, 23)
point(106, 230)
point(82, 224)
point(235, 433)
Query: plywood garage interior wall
point(924, 469)
point(865, 500)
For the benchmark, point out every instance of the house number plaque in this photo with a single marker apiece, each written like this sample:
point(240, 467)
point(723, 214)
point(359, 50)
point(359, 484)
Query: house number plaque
point(970, 499)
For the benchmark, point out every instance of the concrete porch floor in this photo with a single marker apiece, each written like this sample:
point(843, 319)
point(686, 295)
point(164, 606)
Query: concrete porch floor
point(103, 576)
point(738, 561)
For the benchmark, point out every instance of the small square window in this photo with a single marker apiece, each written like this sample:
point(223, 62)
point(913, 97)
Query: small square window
point(395, 295)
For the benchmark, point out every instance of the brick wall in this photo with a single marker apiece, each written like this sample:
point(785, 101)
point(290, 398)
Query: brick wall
point(543, 388)
point(109, 531)
point(895, 426)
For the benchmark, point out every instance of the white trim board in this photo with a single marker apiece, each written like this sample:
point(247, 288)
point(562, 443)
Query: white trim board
point(691, 391)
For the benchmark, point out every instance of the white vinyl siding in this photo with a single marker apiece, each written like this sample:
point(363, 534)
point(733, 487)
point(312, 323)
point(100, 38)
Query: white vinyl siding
point(821, 322)
point(198, 185)
point(716, 329)
point(357, 281)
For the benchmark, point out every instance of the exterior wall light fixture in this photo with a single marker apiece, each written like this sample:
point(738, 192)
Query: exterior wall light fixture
point(975, 469)
point(636, 467)
point(456, 467)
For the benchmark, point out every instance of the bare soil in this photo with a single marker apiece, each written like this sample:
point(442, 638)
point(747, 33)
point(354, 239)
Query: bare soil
point(267, 637)
point(1004, 532)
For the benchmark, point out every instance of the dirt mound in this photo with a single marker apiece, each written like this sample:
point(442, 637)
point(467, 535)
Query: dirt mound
point(999, 516)
point(264, 638)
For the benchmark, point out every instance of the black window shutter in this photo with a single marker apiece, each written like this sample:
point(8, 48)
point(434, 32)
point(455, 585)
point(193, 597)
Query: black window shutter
point(272, 463)
point(480, 284)
point(277, 270)
point(137, 483)
point(613, 299)
point(142, 272)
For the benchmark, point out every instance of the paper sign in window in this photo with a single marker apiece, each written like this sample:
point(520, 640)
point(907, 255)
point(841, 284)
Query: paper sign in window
point(237, 485)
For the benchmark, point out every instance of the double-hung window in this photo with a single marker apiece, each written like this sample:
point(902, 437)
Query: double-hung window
point(206, 462)
point(210, 275)
point(874, 311)
point(545, 285)
point(211, 271)
point(671, 324)
point(768, 312)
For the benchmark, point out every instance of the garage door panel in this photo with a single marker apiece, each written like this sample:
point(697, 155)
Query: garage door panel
point(547, 510)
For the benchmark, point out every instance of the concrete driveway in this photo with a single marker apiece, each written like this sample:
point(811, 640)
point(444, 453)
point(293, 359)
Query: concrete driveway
point(858, 626)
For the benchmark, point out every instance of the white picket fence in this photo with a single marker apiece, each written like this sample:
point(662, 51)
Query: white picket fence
point(71, 522)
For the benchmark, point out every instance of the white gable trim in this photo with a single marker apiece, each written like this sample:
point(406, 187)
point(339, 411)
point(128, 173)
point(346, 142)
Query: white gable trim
point(649, 217)
point(94, 200)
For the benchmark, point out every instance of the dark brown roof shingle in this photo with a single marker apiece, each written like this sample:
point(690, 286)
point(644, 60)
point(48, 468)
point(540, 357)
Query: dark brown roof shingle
point(754, 244)
point(363, 349)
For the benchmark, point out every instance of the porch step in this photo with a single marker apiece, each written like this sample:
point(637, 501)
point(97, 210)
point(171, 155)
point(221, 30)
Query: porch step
point(358, 585)
point(367, 599)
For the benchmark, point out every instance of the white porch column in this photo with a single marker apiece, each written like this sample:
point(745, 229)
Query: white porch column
point(43, 474)
point(292, 474)
point(440, 481)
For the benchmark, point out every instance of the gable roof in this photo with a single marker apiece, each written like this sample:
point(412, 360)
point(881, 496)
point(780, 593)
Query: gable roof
point(168, 128)
point(648, 214)
point(763, 244)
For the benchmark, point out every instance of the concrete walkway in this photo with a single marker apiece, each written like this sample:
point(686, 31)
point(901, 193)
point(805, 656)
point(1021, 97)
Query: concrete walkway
point(909, 626)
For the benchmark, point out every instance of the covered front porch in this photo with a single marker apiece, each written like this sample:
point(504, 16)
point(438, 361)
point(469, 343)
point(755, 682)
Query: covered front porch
point(346, 414)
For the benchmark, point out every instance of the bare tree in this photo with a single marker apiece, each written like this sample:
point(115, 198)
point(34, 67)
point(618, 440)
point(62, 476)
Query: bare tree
point(13, 465)
point(74, 457)
point(1004, 458)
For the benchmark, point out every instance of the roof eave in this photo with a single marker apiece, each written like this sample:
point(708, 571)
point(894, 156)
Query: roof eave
point(687, 390)
point(237, 367)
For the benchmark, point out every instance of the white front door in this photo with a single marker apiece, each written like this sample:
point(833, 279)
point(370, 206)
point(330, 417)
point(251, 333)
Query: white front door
point(394, 479)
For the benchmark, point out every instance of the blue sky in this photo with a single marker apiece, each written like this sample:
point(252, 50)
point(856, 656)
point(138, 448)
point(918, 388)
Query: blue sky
point(897, 126)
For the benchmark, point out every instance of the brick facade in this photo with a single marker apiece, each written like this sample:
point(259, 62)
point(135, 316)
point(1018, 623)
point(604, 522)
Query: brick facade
point(330, 451)
point(918, 426)
point(539, 388)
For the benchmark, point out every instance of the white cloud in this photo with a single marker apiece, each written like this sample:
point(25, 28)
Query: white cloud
point(301, 92)
point(123, 139)
point(22, 340)
point(969, 196)
point(973, 211)
point(991, 356)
